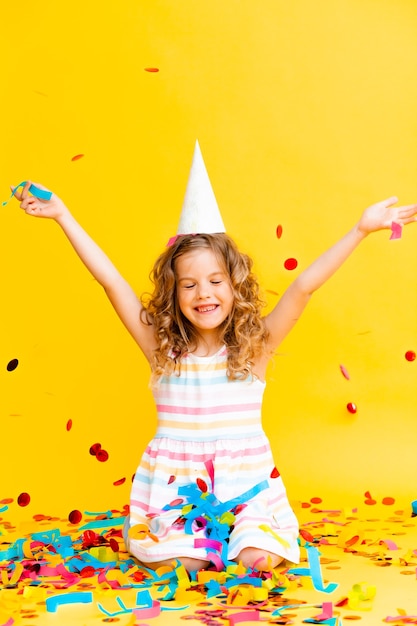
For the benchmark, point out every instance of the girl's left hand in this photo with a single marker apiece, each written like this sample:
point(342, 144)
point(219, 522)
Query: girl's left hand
point(381, 215)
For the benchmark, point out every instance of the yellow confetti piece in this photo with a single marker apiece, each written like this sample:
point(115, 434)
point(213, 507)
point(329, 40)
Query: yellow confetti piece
point(269, 530)
point(187, 596)
point(360, 593)
point(183, 579)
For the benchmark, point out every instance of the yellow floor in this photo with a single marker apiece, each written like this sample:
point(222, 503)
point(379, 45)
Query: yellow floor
point(370, 554)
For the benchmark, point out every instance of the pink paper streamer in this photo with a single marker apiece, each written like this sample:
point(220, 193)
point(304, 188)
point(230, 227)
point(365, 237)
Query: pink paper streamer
point(244, 616)
point(397, 230)
point(149, 612)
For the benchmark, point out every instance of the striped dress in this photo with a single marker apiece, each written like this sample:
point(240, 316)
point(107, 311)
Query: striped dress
point(209, 433)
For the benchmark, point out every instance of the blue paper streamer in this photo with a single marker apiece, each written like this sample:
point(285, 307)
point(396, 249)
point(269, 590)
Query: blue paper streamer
point(52, 603)
point(314, 571)
point(42, 194)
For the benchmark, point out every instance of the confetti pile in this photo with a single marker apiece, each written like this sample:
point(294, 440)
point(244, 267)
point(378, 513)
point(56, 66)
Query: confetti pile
point(80, 571)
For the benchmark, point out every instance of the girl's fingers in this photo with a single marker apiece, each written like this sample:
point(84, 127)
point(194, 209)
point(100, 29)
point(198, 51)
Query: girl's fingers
point(25, 190)
point(390, 201)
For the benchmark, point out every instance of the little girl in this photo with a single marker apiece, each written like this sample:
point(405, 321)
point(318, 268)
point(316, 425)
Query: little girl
point(208, 347)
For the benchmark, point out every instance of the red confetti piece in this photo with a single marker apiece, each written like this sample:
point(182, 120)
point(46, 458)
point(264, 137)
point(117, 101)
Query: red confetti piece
point(119, 482)
point(316, 500)
point(369, 499)
point(114, 545)
point(102, 455)
point(279, 231)
point(176, 502)
point(23, 499)
point(76, 157)
point(75, 517)
point(410, 355)
point(171, 479)
point(12, 365)
point(69, 424)
point(87, 572)
point(202, 485)
point(290, 264)
point(352, 541)
point(95, 448)
point(344, 372)
point(306, 535)
point(151, 69)
point(351, 407)
point(275, 473)
point(388, 501)
point(305, 505)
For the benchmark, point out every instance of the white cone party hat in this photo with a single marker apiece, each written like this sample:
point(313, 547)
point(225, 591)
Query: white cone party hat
point(200, 213)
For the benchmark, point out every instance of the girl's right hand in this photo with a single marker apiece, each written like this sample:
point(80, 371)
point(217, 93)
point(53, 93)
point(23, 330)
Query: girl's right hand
point(36, 207)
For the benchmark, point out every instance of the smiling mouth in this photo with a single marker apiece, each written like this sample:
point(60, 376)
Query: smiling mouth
point(207, 308)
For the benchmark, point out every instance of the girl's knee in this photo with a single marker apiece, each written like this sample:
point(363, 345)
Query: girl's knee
point(255, 558)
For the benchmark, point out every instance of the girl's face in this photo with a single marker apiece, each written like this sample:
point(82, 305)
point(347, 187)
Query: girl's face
point(205, 295)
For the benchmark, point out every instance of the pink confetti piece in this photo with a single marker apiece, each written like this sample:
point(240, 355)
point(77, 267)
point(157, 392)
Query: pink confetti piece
point(397, 230)
point(244, 616)
point(327, 612)
point(391, 545)
point(344, 372)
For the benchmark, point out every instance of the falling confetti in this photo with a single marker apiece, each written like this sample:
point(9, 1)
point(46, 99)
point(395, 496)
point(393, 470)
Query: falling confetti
point(410, 355)
point(95, 448)
point(344, 372)
point(102, 455)
point(75, 517)
point(151, 69)
point(388, 501)
point(12, 365)
point(351, 407)
point(77, 157)
point(290, 264)
point(275, 473)
point(279, 231)
point(121, 481)
point(69, 425)
point(23, 499)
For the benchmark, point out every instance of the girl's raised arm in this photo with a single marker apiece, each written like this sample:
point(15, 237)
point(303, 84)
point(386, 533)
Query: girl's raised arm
point(289, 308)
point(119, 292)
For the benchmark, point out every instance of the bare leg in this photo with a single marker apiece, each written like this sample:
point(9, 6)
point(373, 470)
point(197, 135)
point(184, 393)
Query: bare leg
point(262, 559)
point(190, 564)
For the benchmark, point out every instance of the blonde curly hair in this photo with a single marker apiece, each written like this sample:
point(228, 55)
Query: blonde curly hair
point(243, 332)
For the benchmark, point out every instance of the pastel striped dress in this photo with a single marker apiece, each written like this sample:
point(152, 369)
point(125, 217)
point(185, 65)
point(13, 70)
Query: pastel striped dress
point(205, 420)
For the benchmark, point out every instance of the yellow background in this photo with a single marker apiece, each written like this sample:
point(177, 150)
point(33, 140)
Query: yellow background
point(305, 113)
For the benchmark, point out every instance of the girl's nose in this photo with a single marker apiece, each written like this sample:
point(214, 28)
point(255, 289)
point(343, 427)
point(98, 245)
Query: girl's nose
point(203, 291)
